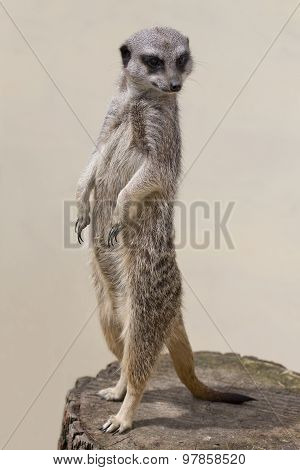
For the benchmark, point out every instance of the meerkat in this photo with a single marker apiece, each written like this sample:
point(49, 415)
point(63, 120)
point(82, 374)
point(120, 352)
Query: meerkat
point(137, 162)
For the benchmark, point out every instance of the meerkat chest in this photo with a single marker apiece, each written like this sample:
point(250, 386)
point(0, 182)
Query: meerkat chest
point(120, 158)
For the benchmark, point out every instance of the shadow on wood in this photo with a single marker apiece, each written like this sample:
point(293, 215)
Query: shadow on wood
point(170, 418)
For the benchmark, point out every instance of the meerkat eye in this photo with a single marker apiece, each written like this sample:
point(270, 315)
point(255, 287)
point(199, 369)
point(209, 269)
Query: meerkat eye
point(182, 60)
point(152, 61)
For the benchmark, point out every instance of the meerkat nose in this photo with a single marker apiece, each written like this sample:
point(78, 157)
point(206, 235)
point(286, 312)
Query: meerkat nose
point(175, 86)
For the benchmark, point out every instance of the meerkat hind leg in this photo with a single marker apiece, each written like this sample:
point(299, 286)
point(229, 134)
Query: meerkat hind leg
point(112, 333)
point(140, 355)
point(122, 421)
point(117, 392)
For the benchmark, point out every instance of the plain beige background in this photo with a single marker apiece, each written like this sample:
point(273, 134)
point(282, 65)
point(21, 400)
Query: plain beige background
point(251, 292)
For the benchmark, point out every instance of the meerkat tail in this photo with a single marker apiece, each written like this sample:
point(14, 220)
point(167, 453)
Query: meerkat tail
point(183, 360)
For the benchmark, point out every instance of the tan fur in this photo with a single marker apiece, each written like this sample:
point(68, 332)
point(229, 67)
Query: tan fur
point(183, 360)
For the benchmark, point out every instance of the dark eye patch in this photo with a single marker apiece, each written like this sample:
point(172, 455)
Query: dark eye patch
point(153, 62)
point(182, 60)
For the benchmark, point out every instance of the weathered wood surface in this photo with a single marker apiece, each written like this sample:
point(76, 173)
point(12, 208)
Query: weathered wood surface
point(170, 418)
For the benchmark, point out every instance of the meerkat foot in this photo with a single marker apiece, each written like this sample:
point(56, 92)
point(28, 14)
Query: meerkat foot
point(112, 393)
point(116, 425)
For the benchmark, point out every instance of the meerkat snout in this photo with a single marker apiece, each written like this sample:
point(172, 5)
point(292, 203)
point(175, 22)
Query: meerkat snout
point(158, 59)
point(175, 85)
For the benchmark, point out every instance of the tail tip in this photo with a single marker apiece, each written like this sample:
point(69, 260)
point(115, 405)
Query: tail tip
point(238, 399)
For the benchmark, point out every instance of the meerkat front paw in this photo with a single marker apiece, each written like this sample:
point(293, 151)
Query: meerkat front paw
point(112, 394)
point(117, 223)
point(82, 222)
point(116, 425)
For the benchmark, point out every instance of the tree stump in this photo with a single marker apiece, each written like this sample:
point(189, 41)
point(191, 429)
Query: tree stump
point(170, 418)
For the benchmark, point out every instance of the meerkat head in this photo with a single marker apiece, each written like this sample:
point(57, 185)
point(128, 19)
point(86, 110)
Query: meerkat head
point(157, 58)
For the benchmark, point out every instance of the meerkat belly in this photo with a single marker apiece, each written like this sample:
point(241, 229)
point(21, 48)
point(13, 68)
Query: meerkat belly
point(119, 162)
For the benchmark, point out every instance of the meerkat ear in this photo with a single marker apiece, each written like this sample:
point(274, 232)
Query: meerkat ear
point(126, 54)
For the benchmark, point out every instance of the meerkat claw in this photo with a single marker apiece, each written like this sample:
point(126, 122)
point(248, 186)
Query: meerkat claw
point(113, 235)
point(81, 223)
point(115, 425)
point(105, 426)
point(109, 242)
